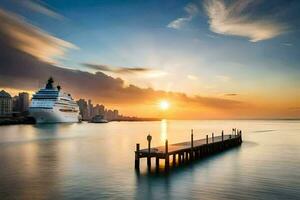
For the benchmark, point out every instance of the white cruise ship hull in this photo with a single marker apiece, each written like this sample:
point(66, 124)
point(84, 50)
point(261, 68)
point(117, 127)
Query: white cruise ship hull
point(52, 115)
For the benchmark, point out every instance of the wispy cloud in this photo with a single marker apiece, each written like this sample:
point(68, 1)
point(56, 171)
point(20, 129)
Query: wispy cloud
point(191, 10)
point(231, 94)
point(287, 44)
point(234, 19)
point(41, 8)
point(30, 39)
point(125, 70)
point(295, 108)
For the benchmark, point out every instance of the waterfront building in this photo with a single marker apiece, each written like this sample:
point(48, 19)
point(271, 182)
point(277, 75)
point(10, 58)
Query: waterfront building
point(15, 104)
point(109, 115)
point(116, 114)
point(83, 107)
point(101, 110)
point(90, 109)
point(23, 101)
point(5, 103)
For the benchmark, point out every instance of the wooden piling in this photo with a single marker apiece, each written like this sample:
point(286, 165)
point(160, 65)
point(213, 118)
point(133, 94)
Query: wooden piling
point(222, 136)
point(192, 145)
point(174, 160)
point(137, 159)
point(167, 156)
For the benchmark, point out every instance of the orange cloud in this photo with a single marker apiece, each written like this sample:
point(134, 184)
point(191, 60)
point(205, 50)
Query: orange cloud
point(31, 39)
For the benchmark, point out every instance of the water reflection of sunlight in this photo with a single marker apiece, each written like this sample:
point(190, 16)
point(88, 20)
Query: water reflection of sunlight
point(163, 130)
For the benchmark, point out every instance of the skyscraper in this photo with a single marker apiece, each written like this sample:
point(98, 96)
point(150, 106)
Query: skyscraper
point(90, 109)
point(5, 103)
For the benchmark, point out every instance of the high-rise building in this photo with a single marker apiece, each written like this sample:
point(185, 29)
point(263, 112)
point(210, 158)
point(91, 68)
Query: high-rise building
point(96, 110)
point(15, 102)
point(90, 109)
point(23, 101)
point(5, 103)
point(83, 107)
point(101, 110)
point(116, 114)
point(109, 115)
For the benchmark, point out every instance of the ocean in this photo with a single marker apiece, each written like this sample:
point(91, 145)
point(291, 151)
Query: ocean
point(96, 161)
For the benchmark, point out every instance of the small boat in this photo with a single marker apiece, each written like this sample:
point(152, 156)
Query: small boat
point(98, 119)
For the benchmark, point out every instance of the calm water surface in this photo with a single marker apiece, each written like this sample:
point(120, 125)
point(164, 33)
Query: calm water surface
point(96, 161)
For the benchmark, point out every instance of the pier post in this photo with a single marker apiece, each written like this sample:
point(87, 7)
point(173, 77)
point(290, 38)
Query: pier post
point(137, 158)
point(167, 156)
point(222, 136)
point(157, 162)
point(149, 138)
point(174, 159)
point(212, 137)
point(206, 149)
point(240, 136)
point(192, 145)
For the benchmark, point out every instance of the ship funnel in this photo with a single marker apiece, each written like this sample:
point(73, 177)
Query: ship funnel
point(49, 84)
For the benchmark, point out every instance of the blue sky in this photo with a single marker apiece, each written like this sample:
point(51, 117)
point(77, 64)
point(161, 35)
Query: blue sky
point(211, 47)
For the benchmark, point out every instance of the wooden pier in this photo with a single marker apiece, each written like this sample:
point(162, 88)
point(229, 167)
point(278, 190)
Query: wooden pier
point(186, 152)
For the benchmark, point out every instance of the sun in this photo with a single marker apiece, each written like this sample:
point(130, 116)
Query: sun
point(164, 105)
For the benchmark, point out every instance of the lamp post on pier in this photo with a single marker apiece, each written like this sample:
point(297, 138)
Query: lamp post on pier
point(149, 138)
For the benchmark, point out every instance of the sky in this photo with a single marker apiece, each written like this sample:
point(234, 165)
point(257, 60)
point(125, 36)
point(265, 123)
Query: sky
point(210, 59)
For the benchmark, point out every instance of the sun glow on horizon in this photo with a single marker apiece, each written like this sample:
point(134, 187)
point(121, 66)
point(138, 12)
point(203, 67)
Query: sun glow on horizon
point(164, 105)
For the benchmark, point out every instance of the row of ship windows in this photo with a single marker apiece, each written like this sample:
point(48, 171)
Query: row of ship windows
point(50, 92)
point(69, 103)
point(42, 98)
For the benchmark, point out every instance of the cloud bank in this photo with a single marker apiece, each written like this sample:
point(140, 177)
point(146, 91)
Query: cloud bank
point(20, 70)
point(235, 19)
point(191, 10)
point(30, 39)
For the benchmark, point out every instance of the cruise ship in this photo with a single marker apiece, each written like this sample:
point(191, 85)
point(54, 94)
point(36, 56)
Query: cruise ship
point(51, 105)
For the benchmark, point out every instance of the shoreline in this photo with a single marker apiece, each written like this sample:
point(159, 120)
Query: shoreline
point(16, 120)
point(29, 120)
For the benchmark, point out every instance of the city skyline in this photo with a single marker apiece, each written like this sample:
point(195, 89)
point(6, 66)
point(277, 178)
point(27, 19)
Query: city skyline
point(16, 105)
point(208, 59)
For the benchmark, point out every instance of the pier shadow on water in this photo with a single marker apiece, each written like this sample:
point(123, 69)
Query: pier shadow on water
point(160, 183)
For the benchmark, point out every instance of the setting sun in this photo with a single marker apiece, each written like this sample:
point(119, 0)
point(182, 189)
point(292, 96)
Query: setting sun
point(164, 105)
